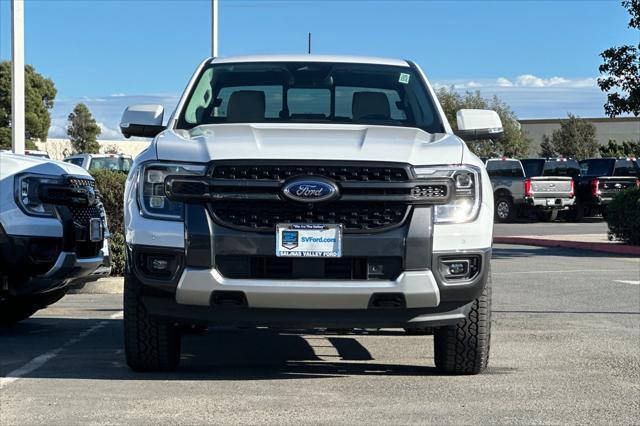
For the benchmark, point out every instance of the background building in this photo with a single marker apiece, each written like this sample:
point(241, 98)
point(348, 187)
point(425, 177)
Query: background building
point(619, 129)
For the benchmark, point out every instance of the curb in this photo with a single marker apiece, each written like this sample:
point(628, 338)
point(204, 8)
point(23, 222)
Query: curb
point(582, 245)
point(110, 285)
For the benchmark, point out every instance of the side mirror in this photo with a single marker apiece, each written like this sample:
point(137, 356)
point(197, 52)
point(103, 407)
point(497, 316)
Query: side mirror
point(478, 124)
point(142, 120)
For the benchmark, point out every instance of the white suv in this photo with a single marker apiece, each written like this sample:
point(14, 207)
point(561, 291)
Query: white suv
point(308, 191)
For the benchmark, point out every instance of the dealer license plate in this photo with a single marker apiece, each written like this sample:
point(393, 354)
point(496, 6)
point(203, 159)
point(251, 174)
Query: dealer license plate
point(308, 240)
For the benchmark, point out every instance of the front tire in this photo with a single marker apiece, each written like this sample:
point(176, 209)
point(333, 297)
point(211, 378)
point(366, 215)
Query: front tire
point(464, 348)
point(150, 343)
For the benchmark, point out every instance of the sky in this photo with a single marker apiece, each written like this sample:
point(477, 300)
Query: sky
point(541, 57)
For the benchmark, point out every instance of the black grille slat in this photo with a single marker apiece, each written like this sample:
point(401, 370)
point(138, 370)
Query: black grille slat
point(337, 173)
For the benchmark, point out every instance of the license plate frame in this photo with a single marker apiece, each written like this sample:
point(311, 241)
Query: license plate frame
point(309, 240)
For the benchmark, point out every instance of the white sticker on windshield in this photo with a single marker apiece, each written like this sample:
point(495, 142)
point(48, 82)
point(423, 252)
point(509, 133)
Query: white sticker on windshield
point(404, 78)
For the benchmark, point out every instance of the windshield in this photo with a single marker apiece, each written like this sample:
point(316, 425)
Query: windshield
point(310, 92)
point(540, 167)
point(600, 167)
point(532, 167)
point(111, 163)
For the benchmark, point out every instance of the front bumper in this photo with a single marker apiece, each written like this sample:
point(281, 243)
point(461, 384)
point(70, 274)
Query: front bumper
point(197, 288)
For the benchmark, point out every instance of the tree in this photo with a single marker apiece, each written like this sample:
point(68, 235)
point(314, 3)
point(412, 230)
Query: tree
point(40, 93)
point(576, 138)
point(513, 143)
point(546, 147)
point(83, 130)
point(626, 149)
point(621, 70)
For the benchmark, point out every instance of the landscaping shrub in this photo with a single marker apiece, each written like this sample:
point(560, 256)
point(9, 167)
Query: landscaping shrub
point(623, 216)
point(111, 187)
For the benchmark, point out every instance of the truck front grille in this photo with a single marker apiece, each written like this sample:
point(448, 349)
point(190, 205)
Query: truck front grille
point(339, 173)
point(265, 216)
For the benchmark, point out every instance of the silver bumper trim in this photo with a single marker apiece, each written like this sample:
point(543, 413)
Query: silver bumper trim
point(69, 266)
point(197, 285)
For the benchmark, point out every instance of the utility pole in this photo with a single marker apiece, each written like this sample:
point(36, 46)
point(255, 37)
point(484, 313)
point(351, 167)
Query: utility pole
point(17, 76)
point(214, 28)
point(309, 47)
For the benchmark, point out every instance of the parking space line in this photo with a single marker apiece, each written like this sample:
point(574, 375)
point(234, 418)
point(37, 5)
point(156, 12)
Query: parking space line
point(42, 359)
point(627, 282)
point(565, 271)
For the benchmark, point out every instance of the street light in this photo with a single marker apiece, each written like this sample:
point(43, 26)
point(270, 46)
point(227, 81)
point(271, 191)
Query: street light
point(17, 76)
point(214, 28)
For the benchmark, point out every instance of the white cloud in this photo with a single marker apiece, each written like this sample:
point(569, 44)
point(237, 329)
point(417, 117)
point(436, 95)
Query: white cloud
point(503, 82)
point(108, 133)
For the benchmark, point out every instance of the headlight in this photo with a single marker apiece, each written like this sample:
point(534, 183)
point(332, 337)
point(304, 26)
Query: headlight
point(151, 196)
point(465, 203)
point(26, 194)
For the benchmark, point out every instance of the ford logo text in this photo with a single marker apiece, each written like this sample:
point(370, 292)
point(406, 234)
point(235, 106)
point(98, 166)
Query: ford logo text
point(310, 190)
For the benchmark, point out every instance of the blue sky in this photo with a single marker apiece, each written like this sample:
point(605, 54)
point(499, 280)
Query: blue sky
point(539, 56)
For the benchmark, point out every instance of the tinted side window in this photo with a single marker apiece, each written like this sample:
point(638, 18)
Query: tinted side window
point(532, 167)
point(602, 167)
point(562, 168)
point(625, 168)
point(76, 161)
point(504, 168)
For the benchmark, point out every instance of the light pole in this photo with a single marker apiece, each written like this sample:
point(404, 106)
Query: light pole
point(17, 76)
point(214, 28)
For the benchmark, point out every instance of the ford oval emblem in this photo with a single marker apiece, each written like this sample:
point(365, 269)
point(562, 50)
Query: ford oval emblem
point(310, 190)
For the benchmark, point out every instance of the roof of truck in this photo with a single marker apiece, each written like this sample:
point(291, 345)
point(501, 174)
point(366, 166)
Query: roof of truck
point(311, 58)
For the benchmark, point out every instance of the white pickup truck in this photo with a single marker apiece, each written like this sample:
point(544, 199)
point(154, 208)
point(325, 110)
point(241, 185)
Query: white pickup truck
point(308, 191)
point(52, 233)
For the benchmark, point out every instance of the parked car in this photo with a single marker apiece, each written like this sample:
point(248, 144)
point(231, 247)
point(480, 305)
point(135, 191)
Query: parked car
point(114, 162)
point(507, 180)
point(52, 233)
point(599, 182)
point(308, 191)
point(32, 153)
point(549, 185)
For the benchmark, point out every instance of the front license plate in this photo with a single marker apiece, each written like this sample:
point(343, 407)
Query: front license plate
point(308, 240)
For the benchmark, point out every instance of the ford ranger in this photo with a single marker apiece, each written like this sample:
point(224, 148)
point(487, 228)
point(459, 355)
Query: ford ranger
point(308, 192)
point(52, 233)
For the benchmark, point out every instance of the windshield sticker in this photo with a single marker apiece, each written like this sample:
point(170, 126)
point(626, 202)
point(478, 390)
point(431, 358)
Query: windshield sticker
point(404, 78)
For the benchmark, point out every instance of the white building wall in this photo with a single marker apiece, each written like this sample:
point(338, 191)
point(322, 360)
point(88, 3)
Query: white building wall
point(60, 148)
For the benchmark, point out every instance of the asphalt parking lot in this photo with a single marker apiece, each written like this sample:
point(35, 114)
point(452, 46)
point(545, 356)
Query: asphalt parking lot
point(565, 349)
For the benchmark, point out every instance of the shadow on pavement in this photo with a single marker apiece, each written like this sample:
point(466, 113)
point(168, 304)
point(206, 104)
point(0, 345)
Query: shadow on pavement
point(247, 354)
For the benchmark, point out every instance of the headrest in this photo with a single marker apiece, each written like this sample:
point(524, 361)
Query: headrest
point(370, 105)
point(246, 106)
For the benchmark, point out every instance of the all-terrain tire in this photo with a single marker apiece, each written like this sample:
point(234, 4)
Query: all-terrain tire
point(150, 343)
point(464, 348)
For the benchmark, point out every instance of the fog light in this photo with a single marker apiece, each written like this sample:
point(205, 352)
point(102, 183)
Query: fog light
point(159, 264)
point(457, 268)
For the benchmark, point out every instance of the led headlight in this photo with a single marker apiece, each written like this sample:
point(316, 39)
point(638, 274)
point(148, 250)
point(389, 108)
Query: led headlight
point(465, 203)
point(26, 194)
point(151, 196)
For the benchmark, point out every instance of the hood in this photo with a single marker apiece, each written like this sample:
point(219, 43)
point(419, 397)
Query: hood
point(10, 164)
point(309, 142)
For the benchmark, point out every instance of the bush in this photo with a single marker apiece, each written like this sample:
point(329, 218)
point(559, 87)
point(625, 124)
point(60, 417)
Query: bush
point(111, 187)
point(623, 216)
